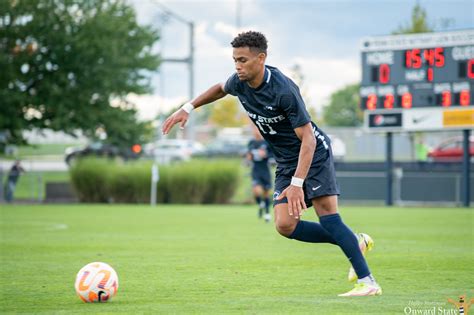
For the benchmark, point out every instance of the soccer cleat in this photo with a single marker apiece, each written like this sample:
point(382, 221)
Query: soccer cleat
point(364, 289)
point(267, 217)
point(366, 243)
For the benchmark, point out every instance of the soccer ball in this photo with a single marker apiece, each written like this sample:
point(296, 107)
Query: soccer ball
point(96, 282)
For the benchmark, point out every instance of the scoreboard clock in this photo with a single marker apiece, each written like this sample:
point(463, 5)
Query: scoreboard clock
point(418, 81)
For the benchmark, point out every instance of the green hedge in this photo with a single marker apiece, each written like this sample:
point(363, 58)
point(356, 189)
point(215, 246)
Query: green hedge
point(200, 181)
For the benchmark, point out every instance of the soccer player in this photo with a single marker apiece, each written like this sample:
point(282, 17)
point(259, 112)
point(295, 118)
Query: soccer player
point(305, 174)
point(12, 179)
point(259, 154)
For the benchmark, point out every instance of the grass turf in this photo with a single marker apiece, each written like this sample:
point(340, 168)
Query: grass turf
point(220, 259)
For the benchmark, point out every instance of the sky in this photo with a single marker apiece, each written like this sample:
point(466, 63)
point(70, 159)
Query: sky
point(322, 37)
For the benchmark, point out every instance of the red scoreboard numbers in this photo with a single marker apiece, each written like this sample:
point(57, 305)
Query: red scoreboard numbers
point(371, 102)
point(446, 99)
point(418, 70)
point(406, 100)
point(470, 69)
point(388, 102)
point(415, 58)
point(384, 73)
point(464, 98)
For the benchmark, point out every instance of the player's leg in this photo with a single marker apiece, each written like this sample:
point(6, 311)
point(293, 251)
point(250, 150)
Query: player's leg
point(366, 243)
point(266, 185)
point(300, 230)
point(284, 223)
point(326, 209)
point(9, 188)
point(288, 226)
point(266, 200)
point(257, 191)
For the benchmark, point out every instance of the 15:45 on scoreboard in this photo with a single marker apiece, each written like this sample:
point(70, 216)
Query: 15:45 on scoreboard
point(402, 73)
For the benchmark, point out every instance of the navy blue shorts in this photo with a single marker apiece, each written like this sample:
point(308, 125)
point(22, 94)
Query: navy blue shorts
point(262, 179)
point(320, 181)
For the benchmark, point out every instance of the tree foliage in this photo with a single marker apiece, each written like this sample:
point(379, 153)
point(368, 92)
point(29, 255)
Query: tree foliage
point(418, 23)
point(65, 63)
point(343, 109)
point(226, 113)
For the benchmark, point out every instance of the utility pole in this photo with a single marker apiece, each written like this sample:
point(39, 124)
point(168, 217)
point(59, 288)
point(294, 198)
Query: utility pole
point(238, 14)
point(189, 60)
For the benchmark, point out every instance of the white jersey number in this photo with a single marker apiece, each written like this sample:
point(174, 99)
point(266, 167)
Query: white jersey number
point(267, 126)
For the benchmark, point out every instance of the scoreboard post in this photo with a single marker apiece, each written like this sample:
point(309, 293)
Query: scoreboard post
point(419, 82)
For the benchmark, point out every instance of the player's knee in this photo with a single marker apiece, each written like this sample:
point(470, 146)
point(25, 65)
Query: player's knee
point(284, 227)
point(257, 190)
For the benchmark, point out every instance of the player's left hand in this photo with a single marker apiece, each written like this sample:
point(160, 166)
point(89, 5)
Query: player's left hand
point(296, 204)
point(179, 116)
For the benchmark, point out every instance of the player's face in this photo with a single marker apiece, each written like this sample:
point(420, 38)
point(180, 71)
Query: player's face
point(248, 63)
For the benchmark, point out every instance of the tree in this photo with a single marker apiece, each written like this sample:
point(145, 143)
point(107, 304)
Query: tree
point(65, 62)
point(418, 24)
point(225, 113)
point(122, 127)
point(343, 109)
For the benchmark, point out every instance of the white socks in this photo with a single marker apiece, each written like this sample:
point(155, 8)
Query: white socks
point(367, 280)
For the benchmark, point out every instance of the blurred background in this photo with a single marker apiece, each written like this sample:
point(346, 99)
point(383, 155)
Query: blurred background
point(97, 78)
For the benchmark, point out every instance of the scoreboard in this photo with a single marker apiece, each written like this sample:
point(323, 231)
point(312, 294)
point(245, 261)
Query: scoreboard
point(418, 81)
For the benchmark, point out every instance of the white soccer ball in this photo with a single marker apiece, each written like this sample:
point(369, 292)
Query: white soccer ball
point(96, 282)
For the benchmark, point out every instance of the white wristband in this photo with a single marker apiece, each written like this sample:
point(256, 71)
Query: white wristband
point(188, 107)
point(298, 182)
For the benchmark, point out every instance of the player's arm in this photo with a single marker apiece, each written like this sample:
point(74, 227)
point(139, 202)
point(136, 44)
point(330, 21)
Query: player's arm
point(294, 193)
point(308, 146)
point(181, 116)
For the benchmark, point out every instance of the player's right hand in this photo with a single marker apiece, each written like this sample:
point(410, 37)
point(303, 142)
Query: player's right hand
point(296, 203)
point(179, 116)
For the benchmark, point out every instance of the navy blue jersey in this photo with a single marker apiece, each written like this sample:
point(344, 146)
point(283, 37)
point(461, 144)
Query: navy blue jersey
point(277, 108)
point(259, 163)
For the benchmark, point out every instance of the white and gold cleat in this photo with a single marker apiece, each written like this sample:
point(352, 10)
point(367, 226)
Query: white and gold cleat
point(364, 289)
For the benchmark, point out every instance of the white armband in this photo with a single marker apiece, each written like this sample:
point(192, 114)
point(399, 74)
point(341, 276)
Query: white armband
point(298, 182)
point(188, 107)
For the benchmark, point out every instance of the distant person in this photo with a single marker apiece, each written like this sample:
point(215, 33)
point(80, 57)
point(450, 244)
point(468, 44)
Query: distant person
point(259, 154)
point(12, 180)
point(305, 174)
point(421, 151)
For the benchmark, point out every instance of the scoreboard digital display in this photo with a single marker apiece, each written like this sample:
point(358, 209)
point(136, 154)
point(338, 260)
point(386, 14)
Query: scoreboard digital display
point(425, 71)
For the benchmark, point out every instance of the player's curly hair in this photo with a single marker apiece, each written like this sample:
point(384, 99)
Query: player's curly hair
point(253, 40)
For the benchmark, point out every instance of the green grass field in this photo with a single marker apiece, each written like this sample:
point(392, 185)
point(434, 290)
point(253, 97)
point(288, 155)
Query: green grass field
point(221, 259)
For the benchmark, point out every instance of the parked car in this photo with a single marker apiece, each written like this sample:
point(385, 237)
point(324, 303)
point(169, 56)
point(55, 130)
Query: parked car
point(451, 150)
point(167, 150)
point(226, 148)
point(338, 148)
point(100, 149)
